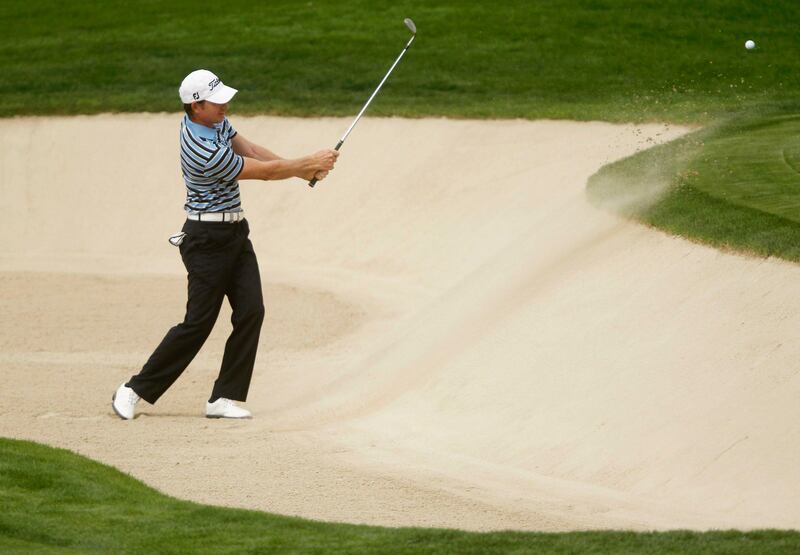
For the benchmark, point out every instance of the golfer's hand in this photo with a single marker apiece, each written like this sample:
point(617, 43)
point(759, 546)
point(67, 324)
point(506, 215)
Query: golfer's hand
point(324, 160)
point(314, 174)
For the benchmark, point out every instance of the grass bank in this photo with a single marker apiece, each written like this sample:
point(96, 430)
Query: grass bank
point(734, 185)
point(612, 60)
point(55, 501)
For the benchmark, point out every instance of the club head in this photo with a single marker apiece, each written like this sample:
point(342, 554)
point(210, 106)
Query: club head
point(410, 25)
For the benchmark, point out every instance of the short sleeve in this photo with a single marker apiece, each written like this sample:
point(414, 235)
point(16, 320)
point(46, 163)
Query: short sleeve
point(227, 130)
point(224, 165)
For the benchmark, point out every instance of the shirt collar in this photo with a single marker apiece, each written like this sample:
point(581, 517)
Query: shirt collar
point(200, 130)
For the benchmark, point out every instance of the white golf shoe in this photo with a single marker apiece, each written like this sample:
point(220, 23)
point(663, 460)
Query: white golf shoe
point(225, 408)
point(124, 402)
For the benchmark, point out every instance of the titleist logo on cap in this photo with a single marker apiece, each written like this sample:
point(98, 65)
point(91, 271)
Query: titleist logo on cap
point(203, 85)
point(211, 86)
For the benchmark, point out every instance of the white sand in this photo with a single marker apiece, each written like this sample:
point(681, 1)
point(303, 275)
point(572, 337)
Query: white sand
point(454, 336)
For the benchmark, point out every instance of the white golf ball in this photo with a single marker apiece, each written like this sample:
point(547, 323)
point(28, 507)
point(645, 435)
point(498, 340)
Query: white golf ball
point(749, 45)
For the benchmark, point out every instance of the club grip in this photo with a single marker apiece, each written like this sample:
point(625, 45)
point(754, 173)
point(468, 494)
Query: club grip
point(337, 147)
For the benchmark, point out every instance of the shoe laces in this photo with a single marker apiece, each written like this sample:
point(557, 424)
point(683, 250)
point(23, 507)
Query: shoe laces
point(133, 398)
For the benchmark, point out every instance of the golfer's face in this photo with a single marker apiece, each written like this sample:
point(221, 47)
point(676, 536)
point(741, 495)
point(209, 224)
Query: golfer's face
point(210, 112)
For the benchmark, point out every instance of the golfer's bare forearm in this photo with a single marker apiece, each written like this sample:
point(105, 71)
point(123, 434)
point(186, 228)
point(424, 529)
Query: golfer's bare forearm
point(250, 149)
point(264, 154)
point(274, 170)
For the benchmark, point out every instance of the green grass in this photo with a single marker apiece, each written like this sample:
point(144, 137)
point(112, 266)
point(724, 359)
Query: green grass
point(623, 60)
point(734, 185)
point(54, 501)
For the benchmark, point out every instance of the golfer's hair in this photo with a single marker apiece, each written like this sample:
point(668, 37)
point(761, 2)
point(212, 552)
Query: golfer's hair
point(188, 107)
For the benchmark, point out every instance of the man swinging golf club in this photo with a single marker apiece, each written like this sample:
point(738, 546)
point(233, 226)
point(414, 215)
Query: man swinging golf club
point(215, 249)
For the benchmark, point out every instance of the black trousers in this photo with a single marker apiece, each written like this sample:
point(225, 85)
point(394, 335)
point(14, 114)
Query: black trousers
point(220, 262)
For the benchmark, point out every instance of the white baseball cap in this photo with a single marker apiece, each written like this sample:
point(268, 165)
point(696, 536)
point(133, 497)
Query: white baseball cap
point(204, 85)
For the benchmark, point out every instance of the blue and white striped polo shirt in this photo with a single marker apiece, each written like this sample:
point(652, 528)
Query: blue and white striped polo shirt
point(210, 167)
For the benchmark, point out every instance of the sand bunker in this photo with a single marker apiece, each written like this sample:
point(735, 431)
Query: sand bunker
point(454, 336)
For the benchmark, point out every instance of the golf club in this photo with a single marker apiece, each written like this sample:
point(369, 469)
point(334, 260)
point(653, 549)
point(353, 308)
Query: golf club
point(413, 29)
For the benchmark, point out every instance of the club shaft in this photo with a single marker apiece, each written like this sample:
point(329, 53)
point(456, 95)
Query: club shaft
point(385, 77)
point(364, 109)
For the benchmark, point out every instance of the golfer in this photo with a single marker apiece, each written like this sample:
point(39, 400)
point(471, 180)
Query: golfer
point(215, 249)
